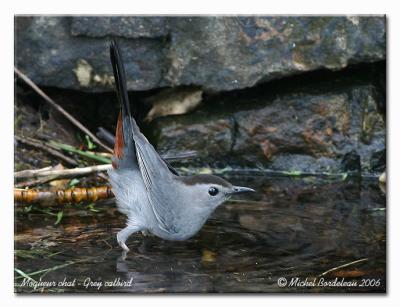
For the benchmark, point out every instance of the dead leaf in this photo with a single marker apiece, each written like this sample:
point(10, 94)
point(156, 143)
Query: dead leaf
point(83, 72)
point(174, 101)
point(208, 256)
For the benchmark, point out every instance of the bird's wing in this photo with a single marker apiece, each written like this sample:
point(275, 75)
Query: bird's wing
point(159, 183)
point(132, 149)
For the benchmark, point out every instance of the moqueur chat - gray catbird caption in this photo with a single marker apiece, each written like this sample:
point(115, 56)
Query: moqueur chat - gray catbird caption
point(150, 191)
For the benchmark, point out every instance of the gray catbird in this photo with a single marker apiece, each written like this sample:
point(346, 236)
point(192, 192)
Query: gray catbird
point(149, 190)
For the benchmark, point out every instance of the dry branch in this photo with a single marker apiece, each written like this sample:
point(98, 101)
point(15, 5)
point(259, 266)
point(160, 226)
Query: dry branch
point(34, 182)
point(63, 173)
point(43, 146)
point(343, 266)
point(50, 101)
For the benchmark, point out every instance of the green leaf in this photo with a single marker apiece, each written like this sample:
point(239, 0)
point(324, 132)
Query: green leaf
point(92, 208)
point(292, 173)
point(46, 211)
point(21, 253)
point(27, 209)
point(59, 217)
point(23, 274)
point(73, 182)
point(90, 144)
point(86, 154)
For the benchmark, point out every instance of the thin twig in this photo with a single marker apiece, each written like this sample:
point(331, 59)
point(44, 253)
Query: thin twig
point(343, 266)
point(35, 182)
point(21, 174)
point(50, 101)
point(43, 146)
point(63, 173)
point(45, 271)
point(105, 135)
point(109, 245)
point(100, 154)
point(102, 176)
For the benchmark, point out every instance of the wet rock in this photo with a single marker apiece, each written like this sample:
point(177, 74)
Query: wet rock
point(216, 53)
point(351, 162)
point(303, 163)
point(225, 53)
point(324, 125)
point(305, 130)
point(128, 27)
point(209, 136)
point(378, 161)
point(51, 55)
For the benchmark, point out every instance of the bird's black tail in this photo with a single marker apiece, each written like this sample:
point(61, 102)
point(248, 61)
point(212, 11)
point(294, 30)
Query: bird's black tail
point(127, 129)
point(124, 148)
point(120, 79)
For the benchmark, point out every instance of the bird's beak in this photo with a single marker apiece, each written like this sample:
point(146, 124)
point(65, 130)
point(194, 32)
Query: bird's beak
point(238, 190)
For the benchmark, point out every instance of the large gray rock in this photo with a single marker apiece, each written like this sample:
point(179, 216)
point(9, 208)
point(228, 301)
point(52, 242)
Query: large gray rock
point(51, 55)
point(128, 27)
point(324, 127)
point(308, 130)
point(216, 53)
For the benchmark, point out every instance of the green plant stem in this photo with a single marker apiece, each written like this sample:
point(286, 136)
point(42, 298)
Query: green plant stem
point(86, 154)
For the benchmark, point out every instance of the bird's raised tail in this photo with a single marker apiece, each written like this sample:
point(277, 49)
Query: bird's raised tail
point(125, 151)
point(124, 148)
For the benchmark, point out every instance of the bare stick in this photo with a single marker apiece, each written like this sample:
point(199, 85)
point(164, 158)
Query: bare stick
point(42, 146)
point(50, 101)
point(343, 266)
point(32, 183)
point(63, 173)
point(105, 135)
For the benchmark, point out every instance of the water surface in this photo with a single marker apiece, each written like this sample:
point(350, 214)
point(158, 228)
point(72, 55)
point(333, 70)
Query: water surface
point(281, 239)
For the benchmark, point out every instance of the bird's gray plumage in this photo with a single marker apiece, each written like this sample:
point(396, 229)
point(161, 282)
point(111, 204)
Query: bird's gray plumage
point(148, 190)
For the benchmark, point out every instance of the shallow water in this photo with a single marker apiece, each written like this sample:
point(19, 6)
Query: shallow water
point(291, 230)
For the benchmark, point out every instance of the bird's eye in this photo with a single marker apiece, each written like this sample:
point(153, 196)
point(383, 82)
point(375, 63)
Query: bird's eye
point(213, 191)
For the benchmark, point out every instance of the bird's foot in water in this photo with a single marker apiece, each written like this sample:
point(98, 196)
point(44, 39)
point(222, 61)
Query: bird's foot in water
point(124, 253)
point(125, 250)
point(145, 233)
point(124, 234)
point(123, 246)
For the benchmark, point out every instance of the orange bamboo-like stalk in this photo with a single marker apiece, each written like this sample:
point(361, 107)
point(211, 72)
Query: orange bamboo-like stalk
point(74, 195)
